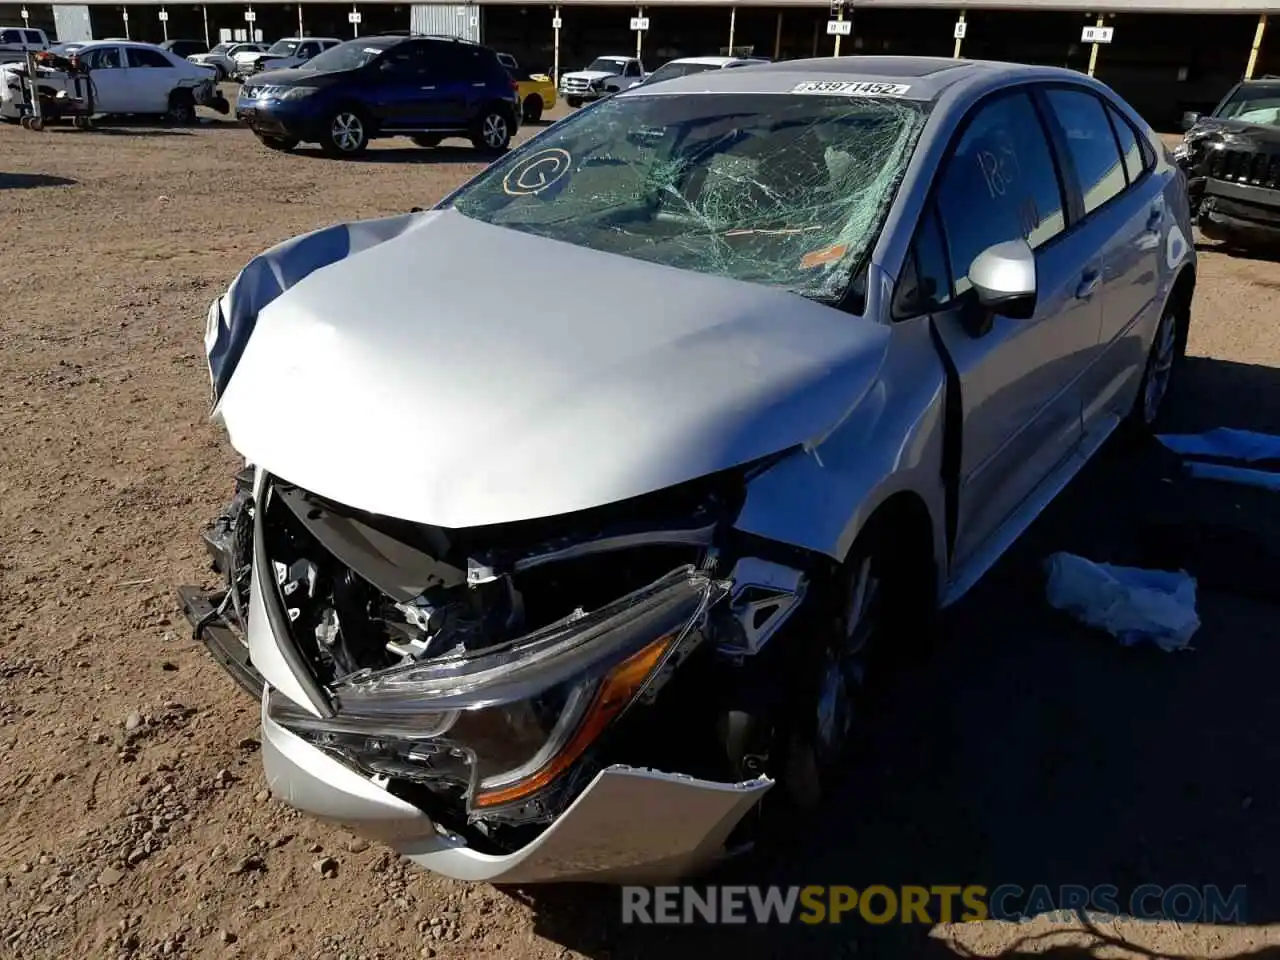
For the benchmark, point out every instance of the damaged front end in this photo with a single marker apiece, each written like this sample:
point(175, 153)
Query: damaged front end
point(495, 702)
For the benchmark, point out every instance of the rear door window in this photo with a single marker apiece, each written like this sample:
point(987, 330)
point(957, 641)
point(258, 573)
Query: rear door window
point(34, 36)
point(1135, 161)
point(142, 57)
point(1094, 153)
point(1000, 183)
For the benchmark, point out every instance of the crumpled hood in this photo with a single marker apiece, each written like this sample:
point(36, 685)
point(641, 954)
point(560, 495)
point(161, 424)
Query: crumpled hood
point(442, 370)
point(590, 75)
point(1234, 129)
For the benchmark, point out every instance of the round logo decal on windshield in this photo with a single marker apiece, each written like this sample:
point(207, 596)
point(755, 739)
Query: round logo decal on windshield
point(537, 172)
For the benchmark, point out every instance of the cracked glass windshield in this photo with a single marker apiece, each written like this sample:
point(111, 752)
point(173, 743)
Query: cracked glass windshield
point(1256, 104)
point(786, 190)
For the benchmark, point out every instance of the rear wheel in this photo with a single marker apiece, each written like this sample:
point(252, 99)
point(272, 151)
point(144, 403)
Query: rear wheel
point(532, 109)
point(574, 102)
point(492, 131)
point(182, 108)
point(283, 144)
point(427, 140)
point(346, 134)
point(1167, 350)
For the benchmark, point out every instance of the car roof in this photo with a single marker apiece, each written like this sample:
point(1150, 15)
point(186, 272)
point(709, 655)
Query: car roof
point(615, 56)
point(713, 61)
point(911, 78)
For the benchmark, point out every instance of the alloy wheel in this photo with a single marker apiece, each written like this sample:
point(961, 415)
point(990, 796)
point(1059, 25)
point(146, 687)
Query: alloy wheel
point(1160, 367)
point(494, 131)
point(347, 132)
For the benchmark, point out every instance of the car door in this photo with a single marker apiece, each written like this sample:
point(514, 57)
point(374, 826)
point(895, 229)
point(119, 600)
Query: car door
point(1016, 379)
point(456, 83)
point(1125, 210)
point(402, 89)
point(110, 78)
point(150, 76)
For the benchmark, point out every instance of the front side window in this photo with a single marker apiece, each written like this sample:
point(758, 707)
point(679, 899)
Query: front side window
point(33, 36)
point(999, 184)
point(102, 58)
point(604, 65)
point(1092, 145)
point(10, 36)
point(283, 48)
point(785, 190)
point(142, 57)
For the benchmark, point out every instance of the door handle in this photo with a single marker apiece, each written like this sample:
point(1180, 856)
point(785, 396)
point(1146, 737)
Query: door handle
point(1088, 284)
point(480, 84)
point(432, 87)
point(1155, 218)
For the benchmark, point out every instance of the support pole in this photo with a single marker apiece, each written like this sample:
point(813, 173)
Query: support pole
point(1257, 45)
point(639, 33)
point(960, 29)
point(124, 12)
point(555, 64)
point(1093, 52)
point(817, 25)
point(839, 19)
point(777, 39)
point(204, 15)
point(355, 27)
point(164, 22)
point(733, 23)
point(302, 32)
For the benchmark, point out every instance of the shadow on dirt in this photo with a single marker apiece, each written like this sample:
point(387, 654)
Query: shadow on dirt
point(30, 181)
point(1028, 750)
point(1269, 254)
point(418, 155)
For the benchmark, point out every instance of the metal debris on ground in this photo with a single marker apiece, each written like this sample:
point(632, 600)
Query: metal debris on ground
point(1132, 604)
point(1206, 453)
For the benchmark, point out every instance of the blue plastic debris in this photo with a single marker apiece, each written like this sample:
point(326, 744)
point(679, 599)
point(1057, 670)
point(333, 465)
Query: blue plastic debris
point(1131, 604)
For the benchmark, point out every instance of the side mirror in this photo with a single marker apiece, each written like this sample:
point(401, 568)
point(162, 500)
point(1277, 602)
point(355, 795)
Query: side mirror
point(1190, 119)
point(1004, 279)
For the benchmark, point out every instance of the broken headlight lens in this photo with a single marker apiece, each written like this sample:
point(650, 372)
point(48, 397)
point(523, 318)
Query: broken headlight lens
point(501, 724)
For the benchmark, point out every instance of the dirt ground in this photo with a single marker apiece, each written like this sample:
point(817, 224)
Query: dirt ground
point(135, 820)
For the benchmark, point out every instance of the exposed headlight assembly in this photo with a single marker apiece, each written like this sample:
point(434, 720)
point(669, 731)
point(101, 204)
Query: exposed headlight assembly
point(500, 725)
point(295, 93)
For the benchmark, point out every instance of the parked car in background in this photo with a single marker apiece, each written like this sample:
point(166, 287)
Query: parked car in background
point(67, 49)
point(687, 66)
point(222, 56)
point(603, 77)
point(426, 88)
point(281, 55)
point(563, 596)
point(132, 78)
point(537, 90)
point(185, 48)
point(1232, 161)
point(16, 41)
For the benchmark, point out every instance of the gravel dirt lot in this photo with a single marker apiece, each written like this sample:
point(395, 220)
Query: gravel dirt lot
point(135, 820)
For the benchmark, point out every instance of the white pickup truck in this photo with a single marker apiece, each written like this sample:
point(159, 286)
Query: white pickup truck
point(281, 55)
point(16, 41)
point(604, 77)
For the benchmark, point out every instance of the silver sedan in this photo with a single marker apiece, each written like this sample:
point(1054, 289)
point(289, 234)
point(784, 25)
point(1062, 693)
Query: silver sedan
point(579, 505)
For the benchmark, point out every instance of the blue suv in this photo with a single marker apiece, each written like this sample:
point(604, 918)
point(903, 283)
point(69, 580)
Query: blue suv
point(426, 88)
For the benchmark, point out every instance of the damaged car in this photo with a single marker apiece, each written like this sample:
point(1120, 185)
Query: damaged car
point(1232, 161)
point(574, 591)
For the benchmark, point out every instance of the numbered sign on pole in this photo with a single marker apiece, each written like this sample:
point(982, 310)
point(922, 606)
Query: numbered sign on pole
point(353, 17)
point(961, 27)
point(639, 23)
point(839, 28)
point(26, 14)
point(556, 23)
point(164, 16)
point(250, 16)
point(1097, 34)
point(124, 15)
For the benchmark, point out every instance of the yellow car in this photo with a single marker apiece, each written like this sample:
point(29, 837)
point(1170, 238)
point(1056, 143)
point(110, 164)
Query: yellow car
point(537, 90)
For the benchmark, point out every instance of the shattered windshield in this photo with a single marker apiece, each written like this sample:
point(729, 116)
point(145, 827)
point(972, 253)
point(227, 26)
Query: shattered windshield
point(605, 65)
point(1260, 105)
point(283, 48)
point(669, 71)
point(349, 55)
point(785, 190)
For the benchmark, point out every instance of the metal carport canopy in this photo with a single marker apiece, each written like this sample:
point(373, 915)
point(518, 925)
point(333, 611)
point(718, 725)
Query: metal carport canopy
point(1130, 6)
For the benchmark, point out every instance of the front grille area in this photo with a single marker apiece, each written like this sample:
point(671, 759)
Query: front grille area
point(264, 92)
point(1240, 166)
point(576, 85)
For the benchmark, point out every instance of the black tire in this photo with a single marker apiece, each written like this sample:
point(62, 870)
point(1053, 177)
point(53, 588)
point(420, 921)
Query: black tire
point(532, 109)
point(427, 140)
point(346, 133)
point(219, 73)
point(1168, 350)
point(492, 131)
point(282, 144)
point(574, 102)
point(879, 606)
point(182, 108)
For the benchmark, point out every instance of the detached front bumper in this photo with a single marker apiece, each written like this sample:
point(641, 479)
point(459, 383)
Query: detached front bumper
point(628, 825)
point(1240, 213)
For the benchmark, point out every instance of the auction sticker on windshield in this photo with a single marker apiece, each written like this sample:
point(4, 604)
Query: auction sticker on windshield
point(853, 88)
